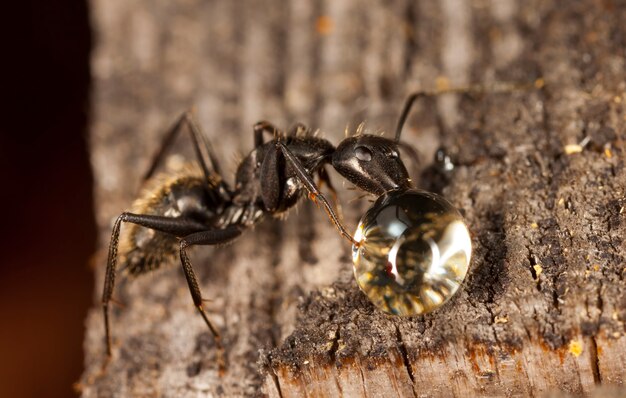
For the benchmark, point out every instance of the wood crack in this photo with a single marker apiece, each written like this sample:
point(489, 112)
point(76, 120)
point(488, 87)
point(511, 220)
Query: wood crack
point(276, 381)
point(594, 360)
point(405, 356)
point(333, 357)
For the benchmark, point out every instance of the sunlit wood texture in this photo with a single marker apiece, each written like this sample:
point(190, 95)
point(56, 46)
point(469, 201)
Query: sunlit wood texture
point(544, 304)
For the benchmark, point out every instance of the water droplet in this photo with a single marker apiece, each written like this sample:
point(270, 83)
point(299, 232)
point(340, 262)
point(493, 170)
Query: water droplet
point(413, 254)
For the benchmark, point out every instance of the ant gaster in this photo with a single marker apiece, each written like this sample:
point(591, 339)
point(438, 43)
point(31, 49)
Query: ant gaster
point(197, 207)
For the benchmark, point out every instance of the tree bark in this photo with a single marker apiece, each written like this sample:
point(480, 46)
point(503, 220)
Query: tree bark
point(544, 304)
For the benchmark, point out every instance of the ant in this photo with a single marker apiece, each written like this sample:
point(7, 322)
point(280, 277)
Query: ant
point(196, 207)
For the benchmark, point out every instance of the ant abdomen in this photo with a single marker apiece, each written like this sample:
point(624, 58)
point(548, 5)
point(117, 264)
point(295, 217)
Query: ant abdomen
point(183, 194)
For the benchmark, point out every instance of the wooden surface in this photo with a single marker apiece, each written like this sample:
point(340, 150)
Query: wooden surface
point(544, 304)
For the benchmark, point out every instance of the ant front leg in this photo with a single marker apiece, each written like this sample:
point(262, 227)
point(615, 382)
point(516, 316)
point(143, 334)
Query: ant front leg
point(324, 179)
point(314, 193)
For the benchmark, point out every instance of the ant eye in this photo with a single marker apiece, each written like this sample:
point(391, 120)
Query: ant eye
point(393, 154)
point(362, 153)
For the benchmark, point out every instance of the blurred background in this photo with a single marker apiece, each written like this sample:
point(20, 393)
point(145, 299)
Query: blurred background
point(48, 229)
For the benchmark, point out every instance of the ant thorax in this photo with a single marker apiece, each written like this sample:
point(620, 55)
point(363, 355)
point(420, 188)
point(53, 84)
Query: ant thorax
point(266, 183)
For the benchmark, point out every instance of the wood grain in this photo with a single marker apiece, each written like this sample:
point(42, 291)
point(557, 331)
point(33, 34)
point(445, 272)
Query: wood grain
point(544, 305)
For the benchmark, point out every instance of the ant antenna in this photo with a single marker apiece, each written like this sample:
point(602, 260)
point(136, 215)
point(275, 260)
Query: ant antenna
point(539, 83)
point(405, 112)
point(408, 104)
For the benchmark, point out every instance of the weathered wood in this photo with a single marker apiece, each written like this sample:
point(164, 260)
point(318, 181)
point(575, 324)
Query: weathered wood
point(544, 305)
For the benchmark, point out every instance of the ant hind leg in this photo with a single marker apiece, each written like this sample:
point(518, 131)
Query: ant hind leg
point(207, 237)
point(202, 147)
point(173, 226)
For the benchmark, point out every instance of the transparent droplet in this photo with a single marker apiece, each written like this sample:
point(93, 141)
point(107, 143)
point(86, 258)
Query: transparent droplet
point(413, 254)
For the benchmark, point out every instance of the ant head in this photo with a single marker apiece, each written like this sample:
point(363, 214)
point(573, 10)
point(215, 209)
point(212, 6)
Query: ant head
point(372, 163)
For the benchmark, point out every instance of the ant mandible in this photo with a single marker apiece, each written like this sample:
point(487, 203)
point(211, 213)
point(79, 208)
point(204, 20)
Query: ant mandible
point(196, 206)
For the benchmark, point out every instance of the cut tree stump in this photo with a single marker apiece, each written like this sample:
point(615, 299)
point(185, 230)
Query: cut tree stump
point(544, 304)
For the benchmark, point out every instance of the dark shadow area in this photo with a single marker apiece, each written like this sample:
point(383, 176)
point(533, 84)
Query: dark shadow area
point(48, 228)
point(489, 278)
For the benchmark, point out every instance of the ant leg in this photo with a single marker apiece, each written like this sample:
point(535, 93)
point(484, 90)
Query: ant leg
point(324, 178)
point(264, 127)
point(271, 185)
point(267, 127)
point(207, 237)
point(314, 193)
point(173, 226)
point(204, 152)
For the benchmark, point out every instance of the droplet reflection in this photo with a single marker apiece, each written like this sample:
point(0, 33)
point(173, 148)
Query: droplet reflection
point(414, 252)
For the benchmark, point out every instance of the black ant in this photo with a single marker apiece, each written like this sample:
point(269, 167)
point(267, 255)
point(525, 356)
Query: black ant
point(196, 207)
